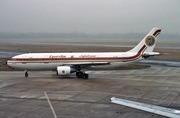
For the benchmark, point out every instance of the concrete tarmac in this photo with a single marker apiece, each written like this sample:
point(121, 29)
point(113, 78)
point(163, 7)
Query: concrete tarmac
point(22, 97)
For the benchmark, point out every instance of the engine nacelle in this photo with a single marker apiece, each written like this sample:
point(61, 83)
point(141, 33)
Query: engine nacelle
point(64, 70)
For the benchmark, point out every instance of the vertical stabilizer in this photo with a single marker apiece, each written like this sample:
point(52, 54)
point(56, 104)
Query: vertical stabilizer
point(149, 41)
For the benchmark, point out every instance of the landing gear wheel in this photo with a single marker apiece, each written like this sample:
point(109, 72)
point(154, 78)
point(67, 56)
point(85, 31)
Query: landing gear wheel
point(82, 75)
point(86, 76)
point(26, 74)
point(78, 74)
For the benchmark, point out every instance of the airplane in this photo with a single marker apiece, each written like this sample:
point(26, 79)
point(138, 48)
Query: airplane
point(163, 111)
point(66, 63)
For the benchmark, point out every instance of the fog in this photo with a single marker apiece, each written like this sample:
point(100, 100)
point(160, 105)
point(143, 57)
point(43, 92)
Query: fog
point(89, 16)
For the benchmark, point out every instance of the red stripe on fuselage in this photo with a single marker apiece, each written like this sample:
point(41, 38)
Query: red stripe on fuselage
point(83, 59)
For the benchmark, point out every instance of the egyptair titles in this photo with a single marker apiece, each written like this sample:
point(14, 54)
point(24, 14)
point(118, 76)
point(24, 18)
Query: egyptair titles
point(71, 56)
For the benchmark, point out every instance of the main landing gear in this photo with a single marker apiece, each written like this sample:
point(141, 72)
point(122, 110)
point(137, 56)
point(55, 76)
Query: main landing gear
point(82, 75)
point(26, 73)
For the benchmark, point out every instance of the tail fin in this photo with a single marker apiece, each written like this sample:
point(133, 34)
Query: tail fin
point(149, 41)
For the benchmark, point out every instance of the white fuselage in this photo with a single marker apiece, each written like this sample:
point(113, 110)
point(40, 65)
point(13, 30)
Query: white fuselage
point(50, 61)
point(66, 63)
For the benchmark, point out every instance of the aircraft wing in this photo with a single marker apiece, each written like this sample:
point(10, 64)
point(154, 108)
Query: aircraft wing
point(86, 63)
point(163, 111)
point(149, 54)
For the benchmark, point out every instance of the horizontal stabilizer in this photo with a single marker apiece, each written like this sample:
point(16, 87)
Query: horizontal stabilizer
point(149, 54)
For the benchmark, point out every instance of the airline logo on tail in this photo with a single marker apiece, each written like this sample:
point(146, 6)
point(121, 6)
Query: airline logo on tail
point(150, 41)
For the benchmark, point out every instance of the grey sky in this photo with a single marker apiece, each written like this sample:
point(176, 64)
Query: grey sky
point(89, 16)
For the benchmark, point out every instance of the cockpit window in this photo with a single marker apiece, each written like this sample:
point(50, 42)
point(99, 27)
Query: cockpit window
point(13, 58)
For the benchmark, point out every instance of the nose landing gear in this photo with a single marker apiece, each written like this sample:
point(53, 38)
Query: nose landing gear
point(26, 73)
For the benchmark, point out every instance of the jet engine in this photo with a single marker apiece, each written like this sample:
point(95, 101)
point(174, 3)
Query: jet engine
point(64, 70)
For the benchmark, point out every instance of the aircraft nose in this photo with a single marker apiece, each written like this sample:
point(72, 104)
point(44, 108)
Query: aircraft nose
point(7, 63)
